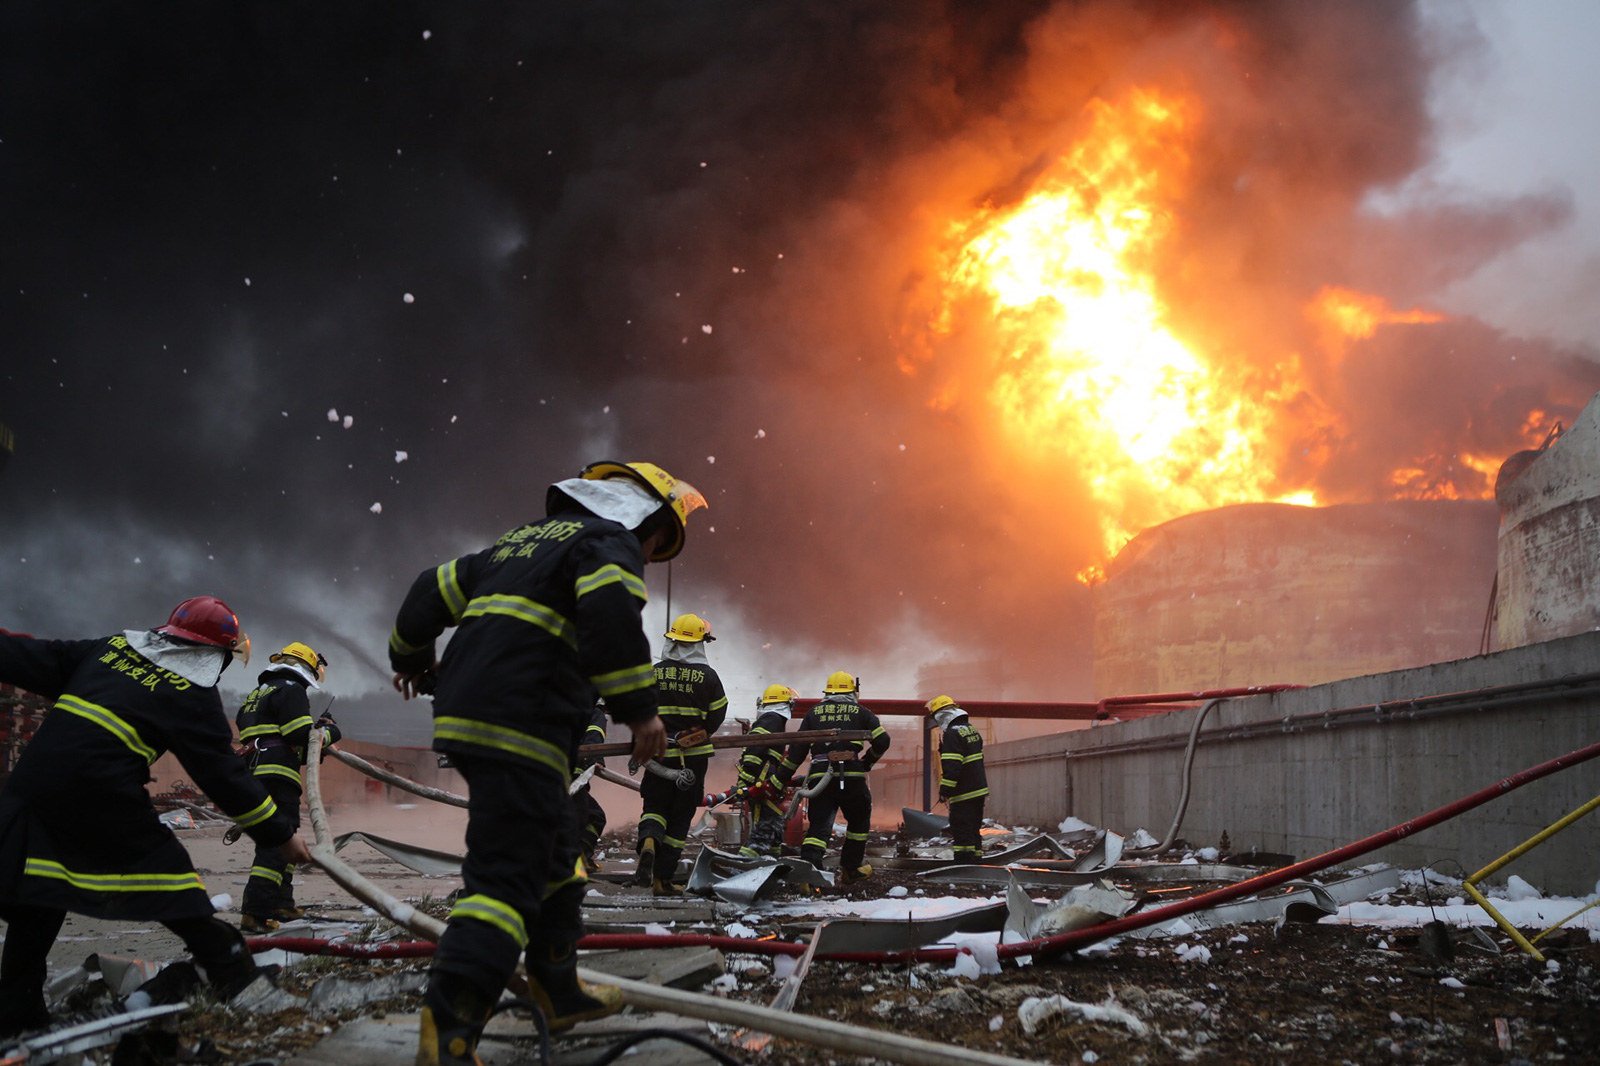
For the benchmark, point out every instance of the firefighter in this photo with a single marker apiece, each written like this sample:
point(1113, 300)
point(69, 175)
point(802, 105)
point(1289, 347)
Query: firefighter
point(591, 816)
point(274, 728)
point(77, 829)
point(547, 620)
point(693, 706)
point(849, 764)
point(962, 782)
point(761, 770)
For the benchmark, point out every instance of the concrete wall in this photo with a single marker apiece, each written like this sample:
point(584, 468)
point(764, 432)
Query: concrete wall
point(1549, 545)
point(1314, 789)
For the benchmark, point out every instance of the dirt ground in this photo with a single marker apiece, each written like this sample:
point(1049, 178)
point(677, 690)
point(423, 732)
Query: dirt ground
point(1311, 993)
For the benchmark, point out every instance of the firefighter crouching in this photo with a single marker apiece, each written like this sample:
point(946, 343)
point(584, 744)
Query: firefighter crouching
point(762, 769)
point(962, 781)
point(693, 706)
point(274, 728)
point(77, 829)
point(848, 792)
point(547, 621)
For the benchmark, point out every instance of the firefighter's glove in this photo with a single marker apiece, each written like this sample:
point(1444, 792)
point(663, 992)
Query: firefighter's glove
point(690, 738)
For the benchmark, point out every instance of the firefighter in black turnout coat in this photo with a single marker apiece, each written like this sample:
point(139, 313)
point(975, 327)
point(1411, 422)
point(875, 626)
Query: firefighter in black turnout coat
point(962, 781)
point(693, 706)
point(849, 765)
point(762, 769)
point(77, 829)
point(274, 728)
point(547, 621)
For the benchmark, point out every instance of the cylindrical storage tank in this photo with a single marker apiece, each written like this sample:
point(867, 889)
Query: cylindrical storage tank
point(1549, 547)
point(1260, 594)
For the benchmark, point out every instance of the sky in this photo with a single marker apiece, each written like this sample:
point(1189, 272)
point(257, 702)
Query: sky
point(300, 301)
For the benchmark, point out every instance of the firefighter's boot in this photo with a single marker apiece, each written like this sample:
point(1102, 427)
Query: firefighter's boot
point(664, 883)
point(860, 873)
point(647, 863)
point(255, 923)
point(564, 998)
point(454, 1012)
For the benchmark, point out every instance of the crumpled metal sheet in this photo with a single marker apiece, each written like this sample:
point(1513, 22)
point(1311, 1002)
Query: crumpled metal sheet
point(424, 861)
point(1080, 907)
point(923, 823)
point(75, 1039)
point(1047, 874)
point(1037, 845)
point(713, 868)
point(1304, 902)
point(1106, 853)
point(906, 934)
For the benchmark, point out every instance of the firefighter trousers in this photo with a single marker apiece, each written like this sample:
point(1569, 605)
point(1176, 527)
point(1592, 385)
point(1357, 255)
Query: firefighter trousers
point(966, 817)
point(767, 824)
point(217, 947)
point(523, 884)
point(669, 811)
point(591, 820)
point(270, 889)
point(851, 796)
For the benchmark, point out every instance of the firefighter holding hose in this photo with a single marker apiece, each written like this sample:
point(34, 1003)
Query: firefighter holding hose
point(77, 829)
point(693, 706)
point(762, 769)
point(274, 727)
point(547, 620)
point(845, 765)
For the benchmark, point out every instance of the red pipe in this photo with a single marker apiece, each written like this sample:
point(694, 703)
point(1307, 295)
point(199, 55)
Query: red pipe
point(1064, 711)
point(1044, 945)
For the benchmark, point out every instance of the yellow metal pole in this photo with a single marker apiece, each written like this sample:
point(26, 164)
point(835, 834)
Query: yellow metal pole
point(1470, 885)
point(1534, 841)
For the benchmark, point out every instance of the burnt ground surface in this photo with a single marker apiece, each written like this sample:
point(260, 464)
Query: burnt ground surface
point(1309, 993)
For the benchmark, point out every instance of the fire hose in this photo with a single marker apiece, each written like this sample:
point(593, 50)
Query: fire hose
point(682, 779)
point(1079, 938)
point(815, 1031)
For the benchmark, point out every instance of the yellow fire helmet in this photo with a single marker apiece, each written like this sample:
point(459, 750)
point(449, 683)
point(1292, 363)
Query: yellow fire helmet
point(304, 654)
point(939, 703)
point(682, 497)
point(690, 629)
point(777, 694)
point(841, 681)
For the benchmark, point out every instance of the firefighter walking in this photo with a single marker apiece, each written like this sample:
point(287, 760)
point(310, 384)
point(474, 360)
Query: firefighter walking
point(693, 706)
point(77, 829)
point(847, 791)
point(962, 781)
point(274, 728)
point(547, 621)
point(761, 771)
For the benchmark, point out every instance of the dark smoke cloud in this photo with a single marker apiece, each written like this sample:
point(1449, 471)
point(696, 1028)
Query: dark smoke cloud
point(213, 213)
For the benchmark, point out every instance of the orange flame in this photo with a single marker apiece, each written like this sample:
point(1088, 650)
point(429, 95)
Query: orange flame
point(1091, 366)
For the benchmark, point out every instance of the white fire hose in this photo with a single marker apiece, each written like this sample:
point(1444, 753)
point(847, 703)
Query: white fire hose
point(806, 793)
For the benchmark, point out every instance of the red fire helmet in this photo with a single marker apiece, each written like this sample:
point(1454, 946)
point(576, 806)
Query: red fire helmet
point(205, 620)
